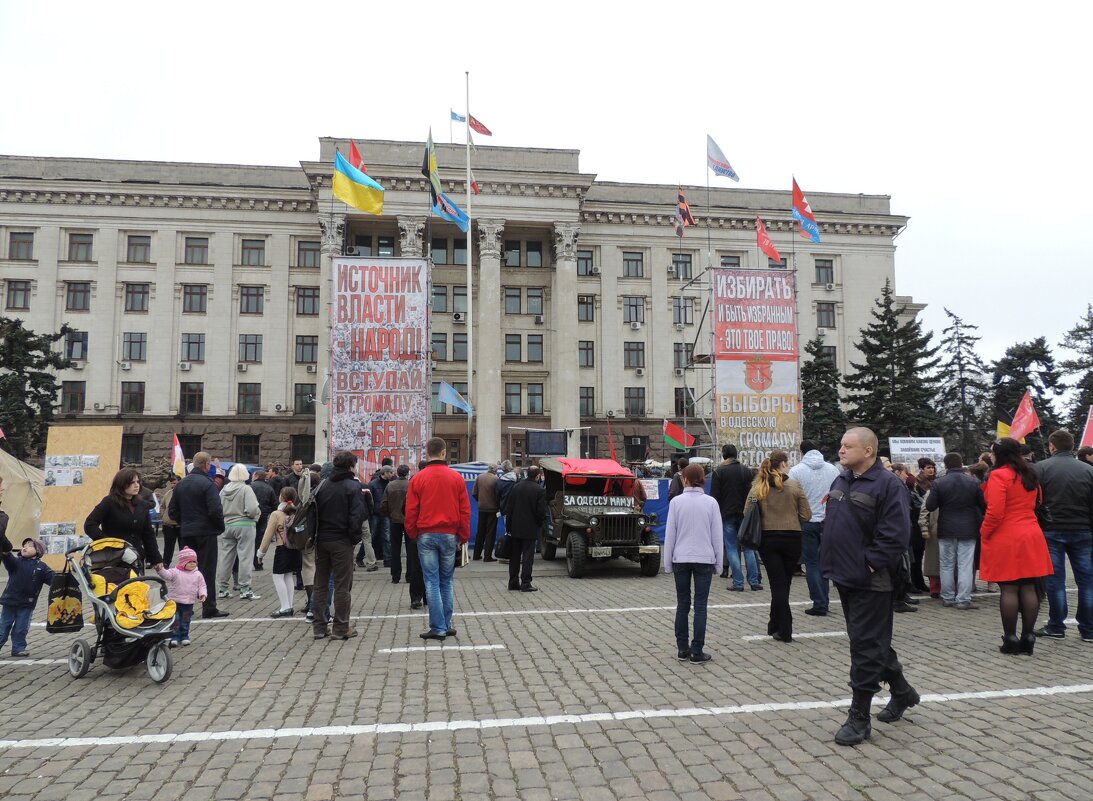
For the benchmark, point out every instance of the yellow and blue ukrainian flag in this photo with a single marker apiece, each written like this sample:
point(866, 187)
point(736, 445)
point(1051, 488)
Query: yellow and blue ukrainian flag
point(353, 187)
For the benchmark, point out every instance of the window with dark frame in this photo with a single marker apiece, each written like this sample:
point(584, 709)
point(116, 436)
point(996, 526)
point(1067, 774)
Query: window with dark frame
point(512, 253)
point(302, 447)
point(633, 354)
point(385, 246)
point(132, 448)
point(682, 311)
point(534, 254)
point(134, 346)
point(18, 295)
point(512, 399)
point(77, 296)
point(195, 298)
point(587, 399)
point(512, 300)
point(21, 246)
point(252, 299)
point(584, 262)
point(253, 253)
point(307, 349)
point(363, 244)
point(439, 250)
point(193, 348)
point(682, 353)
point(586, 308)
point(137, 297)
point(196, 250)
point(190, 444)
point(132, 397)
point(440, 346)
point(535, 300)
point(590, 445)
point(249, 398)
point(303, 399)
point(730, 261)
point(825, 315)
point(73, 395)
point(633, 264)
point(307, 301)
point(308, 253)
point(459, 347)
point(684, 402)
point(138, 249)
point(248, 448)
point(776, 265)
point(633, 399)
point(191, 397)
point(633, 309)
point(831, 352)
point(682, 264)
point(535, 398)
point(250, 348)
point(79, 247)
point(459, 299)
point(440, 299)
point(437, 406)
point(459, 251)
point(513, 348)
point(825, 271)
point(76, 346)
point(586, 353)
point(535, 348)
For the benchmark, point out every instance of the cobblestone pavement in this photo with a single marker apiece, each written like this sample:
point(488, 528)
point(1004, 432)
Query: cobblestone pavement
point(578, 695)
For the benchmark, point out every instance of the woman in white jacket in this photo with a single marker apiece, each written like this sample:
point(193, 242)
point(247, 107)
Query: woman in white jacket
point(694, 548)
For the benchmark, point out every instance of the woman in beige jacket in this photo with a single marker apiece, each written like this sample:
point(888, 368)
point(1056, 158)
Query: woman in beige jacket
point(784, 507)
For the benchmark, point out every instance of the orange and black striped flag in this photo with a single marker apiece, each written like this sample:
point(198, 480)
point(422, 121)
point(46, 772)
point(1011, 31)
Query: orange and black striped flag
point(684, 218)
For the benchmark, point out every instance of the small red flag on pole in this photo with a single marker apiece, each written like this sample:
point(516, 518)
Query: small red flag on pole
point(766, 244)
point(1087, 434)
point(1025, 419)
point(355, 157)
point(611, 440)
point(479, 127)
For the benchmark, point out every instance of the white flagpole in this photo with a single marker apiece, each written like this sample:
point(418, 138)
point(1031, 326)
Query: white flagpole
point(471, 394)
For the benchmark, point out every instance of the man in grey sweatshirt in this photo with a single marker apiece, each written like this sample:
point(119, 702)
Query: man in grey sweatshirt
point(815, 475)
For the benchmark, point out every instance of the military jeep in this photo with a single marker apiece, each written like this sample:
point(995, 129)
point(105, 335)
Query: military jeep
point(594, 517)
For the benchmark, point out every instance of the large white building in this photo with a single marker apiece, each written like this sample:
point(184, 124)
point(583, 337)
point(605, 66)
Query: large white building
point(197, 293)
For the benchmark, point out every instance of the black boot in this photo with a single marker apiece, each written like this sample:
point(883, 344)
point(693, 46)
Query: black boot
point(903, 698)
point(1028, 642)
point(1010, 644)
point(857, 728)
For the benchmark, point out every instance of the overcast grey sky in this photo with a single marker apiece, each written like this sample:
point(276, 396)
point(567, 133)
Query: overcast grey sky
point(972, 116)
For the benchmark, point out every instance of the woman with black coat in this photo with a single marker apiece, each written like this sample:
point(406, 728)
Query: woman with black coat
point(124, 515)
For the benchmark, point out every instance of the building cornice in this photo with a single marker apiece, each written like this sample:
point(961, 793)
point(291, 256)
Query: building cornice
point(189, 199)
point(887, 227)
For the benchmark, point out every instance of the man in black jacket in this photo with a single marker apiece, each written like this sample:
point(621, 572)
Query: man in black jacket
point(866, 532)
point(195, 505)
point(958, 499)
point(1068, 493)
point(729, 486)
point(341, 515)
point(527, 512)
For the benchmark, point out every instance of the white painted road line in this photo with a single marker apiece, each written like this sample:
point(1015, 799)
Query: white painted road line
point(805, 636)
point(516, 723)
point(439, 648)
point(17, 662)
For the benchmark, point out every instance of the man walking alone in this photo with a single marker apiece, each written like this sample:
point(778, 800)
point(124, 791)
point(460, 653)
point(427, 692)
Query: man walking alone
point(527, 514)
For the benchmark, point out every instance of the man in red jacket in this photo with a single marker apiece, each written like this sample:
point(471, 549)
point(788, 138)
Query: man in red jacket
point(438, 519)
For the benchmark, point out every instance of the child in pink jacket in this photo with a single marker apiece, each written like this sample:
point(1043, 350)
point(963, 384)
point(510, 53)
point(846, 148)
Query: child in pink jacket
point(186, 587)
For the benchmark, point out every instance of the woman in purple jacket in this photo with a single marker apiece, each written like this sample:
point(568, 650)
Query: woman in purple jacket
point(694, 547)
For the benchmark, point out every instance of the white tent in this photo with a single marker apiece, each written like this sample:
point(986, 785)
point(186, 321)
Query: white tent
point(22, 497)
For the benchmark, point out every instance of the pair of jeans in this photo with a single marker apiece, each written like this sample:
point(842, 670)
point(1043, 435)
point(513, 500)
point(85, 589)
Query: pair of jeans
point(732, 551)
point(436, 552)
point(398, 532)
point(869, 616)
point(520, 563)
point(702, 575)
point(781, 551)
point(15, 621)
point(1078, 546)
point(818, 588)
point(333, 561)
point(957, 560)
point(486, 534)
point(184, 613)
point(381, 538)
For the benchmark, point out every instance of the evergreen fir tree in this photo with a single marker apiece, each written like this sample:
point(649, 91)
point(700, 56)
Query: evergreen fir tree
point(964, 400)
point(1028, 366)
point(824, 419)
point(893, 388)
point(28, 385)
point(1079, 339)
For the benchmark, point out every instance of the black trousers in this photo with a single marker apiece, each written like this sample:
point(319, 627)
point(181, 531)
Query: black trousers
point(486, 534)
point(780, 553)
point(333, 558)
point(869, 617)
point(398, 534)
point(206, 550)
point(414, 576)
point(520, 562)
point(918, 549)
point(171, 538)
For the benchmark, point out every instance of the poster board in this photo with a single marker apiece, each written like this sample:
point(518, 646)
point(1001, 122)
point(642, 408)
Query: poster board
point(909, 450)
point(80, 463)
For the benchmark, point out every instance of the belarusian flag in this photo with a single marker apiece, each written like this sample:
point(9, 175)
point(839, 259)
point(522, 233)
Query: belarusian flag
point(677, 437)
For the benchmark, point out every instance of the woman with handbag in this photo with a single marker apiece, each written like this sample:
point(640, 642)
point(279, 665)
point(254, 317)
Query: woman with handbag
point(784, 507)
point(1014, 552)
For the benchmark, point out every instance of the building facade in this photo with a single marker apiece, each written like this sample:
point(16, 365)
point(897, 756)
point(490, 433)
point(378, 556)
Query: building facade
point(198, 294)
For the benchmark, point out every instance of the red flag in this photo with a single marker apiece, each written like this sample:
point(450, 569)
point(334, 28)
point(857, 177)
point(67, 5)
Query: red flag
point(2, 434)
point(1087, 434)
point(766, 244)
point(1025, 420)
point(611, 440)
point(355, 157)
point(474, 184)
point(479, 127)
point(684, 218)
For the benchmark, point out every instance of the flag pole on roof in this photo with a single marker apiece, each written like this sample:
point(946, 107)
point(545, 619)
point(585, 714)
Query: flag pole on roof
point(471, 394)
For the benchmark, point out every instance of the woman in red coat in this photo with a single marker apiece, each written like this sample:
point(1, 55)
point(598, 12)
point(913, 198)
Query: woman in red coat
point(1014, 551)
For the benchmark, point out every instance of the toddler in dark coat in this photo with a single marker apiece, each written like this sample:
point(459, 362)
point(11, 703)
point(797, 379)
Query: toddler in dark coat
point(26, 577)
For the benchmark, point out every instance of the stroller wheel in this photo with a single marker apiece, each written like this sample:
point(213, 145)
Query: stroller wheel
point(158, 663)
point(79, 659)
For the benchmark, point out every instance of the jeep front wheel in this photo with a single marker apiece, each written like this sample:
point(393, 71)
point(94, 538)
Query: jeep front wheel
point(650, 562)
point(576, 555)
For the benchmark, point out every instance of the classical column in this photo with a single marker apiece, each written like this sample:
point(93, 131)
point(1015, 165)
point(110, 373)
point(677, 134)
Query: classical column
point(411, 230)
point(332, 227)
point(565, 411)
point(488, 396)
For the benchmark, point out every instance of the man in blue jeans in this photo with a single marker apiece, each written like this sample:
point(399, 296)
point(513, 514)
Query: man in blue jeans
point(438, 519)
point(816, 476)
point(729, 486)
point(1068, 492)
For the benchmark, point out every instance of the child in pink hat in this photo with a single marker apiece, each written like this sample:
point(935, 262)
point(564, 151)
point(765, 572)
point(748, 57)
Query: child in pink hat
point(186, 587)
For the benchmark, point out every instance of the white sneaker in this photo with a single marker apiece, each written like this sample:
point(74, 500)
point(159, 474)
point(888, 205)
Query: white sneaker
point(172, 644)
point(249, 596)
point(222, 592)
point(185, 642)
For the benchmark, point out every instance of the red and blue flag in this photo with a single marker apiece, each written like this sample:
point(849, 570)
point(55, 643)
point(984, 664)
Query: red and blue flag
point(802, 212)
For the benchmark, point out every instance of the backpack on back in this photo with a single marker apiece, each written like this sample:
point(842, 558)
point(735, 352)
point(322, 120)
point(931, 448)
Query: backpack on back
point(301, 530)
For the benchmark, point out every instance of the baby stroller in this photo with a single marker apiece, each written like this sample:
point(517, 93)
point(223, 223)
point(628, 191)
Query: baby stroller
point(133, 618)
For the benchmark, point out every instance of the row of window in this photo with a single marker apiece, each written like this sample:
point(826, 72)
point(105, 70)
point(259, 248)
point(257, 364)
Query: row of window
point(248, 447)
point(195, 298)
point(633, 265)
point(138, 249)
point(191, 397)
point(134, 347)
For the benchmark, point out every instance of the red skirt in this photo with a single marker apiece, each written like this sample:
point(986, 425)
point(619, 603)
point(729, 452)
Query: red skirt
point(1013, 554)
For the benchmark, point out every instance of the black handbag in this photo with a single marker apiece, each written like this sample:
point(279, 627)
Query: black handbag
point(504, 547)
point(1043, 511)
point(750, 533)
point(65, 610)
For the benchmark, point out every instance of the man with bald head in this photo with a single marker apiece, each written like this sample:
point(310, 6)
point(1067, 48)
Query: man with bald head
point(866, 532)
point(196, 506)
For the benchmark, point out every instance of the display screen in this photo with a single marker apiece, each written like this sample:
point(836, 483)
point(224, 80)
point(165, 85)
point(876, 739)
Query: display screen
point(546, 443)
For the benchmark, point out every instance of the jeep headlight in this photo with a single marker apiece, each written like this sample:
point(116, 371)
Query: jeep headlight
point(641, 521)
point(592, 521)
